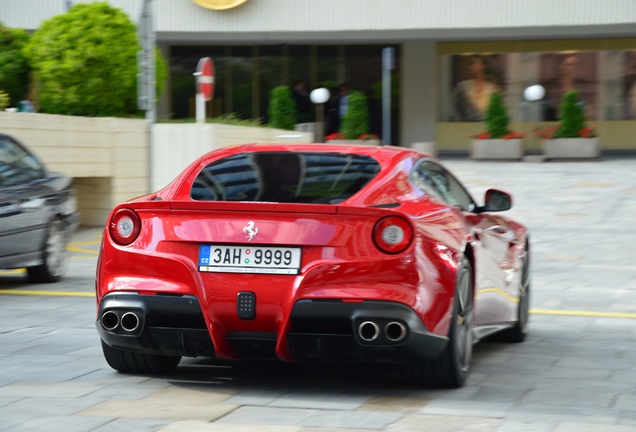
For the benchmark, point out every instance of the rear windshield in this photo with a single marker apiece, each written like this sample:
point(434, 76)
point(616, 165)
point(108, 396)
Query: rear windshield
point(317, 178)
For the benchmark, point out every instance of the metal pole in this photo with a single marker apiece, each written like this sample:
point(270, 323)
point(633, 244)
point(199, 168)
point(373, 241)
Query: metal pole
point(200, 108)
point(147, 81)
point(149, 50)
point(320, 123)
point(387, 66)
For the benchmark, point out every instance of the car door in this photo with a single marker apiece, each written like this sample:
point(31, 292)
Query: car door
point(23, 210)
point(496, 298)
point(492, 299)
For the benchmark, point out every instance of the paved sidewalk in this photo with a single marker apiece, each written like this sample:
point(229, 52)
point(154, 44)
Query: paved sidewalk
point(574, 373)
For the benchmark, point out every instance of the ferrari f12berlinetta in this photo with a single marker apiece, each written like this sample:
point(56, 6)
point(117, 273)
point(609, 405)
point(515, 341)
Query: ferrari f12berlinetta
point(312, 253)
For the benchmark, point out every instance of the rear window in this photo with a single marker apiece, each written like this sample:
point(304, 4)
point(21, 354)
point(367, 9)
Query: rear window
point(316, 178)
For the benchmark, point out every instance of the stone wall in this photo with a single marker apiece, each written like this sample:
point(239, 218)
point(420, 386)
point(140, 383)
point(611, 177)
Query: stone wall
point(110, 159)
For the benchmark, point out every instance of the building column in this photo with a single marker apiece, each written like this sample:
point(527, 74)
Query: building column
point(418, 93)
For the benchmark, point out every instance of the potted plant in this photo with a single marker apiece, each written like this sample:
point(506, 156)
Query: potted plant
point(354, 128)
point(572, 138)
point(282, 108)
point(497, 142)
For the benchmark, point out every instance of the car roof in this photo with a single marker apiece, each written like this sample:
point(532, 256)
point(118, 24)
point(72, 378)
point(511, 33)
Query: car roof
point(386, 156)
point(383, 154)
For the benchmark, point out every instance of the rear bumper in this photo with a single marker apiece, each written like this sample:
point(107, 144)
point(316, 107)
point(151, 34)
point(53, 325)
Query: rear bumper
point(329, 331)
point(319, 331)
point(168, 325)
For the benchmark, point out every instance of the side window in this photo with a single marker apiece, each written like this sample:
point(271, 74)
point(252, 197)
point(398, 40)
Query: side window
point(16, 164)
point(435, 180)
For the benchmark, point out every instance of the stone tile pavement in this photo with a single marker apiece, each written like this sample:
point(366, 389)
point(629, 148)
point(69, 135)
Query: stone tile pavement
point(574, 373)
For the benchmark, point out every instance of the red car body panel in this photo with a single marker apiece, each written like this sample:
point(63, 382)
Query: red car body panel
point(340, 261)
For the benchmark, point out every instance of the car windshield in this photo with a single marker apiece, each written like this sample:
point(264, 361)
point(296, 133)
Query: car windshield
point(17, 165)
point(293, 177)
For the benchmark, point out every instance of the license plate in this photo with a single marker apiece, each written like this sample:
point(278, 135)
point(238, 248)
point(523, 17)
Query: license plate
point(249, 259)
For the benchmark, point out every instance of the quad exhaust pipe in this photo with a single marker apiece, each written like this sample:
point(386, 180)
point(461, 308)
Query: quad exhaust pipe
point(394, 331)
point(110, 320)
point(128, 322)
point(368, 331)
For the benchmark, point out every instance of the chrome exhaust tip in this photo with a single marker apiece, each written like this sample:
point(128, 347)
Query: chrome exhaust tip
point(110, 320)
point(130, 321)
point(368, 331)
point(395, 331)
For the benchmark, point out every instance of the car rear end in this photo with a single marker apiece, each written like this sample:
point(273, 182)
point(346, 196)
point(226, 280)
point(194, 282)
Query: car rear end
point(306, 278)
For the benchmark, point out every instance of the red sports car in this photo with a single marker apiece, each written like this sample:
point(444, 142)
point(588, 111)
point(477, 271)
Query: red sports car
point(312, 253)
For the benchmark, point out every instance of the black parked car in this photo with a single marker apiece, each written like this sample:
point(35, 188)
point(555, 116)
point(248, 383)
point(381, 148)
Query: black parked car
point(38, 213)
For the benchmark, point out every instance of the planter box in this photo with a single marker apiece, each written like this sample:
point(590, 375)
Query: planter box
point(497, 149)
point(425, 147)
point(317, 129)
point(571, 148)
point(354, 142)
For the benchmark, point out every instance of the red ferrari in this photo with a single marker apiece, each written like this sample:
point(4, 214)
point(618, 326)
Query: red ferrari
point(312, 253)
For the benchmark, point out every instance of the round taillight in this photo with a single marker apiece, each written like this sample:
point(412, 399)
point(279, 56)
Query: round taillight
point(124, 226)
point(392, 234)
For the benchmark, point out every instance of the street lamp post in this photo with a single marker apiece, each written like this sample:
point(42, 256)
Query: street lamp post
point(318, 97)
point(533, 96)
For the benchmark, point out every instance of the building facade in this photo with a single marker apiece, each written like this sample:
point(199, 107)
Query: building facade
point(449, 56)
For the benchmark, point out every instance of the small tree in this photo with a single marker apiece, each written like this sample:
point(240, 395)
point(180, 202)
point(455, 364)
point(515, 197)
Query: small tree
point(85, 62)
point(496, 118)
point(282, 109)
point(356, 121)
point(14, 70)
point(572, 116)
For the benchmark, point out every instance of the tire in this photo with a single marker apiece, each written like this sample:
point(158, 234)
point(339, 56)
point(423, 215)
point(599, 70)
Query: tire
point(54, 255)
point(132, 362)
point(519, 331)
point(450, 369)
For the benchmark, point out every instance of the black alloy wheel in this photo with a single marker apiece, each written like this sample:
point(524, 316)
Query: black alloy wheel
point(451, 368)
point(54, 255)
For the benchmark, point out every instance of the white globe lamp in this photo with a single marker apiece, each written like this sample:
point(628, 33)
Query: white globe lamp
point(319, 95)
point(534, 93)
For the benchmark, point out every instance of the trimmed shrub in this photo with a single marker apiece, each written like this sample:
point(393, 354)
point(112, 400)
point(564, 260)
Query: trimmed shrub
point(356, 121)
point(572, 116)
point(282, 109)
point(496, 117)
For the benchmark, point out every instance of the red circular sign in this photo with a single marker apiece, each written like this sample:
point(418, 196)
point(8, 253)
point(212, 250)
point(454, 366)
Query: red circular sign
point(205, 77)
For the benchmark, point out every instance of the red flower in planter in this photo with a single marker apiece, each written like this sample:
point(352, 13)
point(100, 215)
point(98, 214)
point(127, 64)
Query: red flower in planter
point(513, 135)
point(481, 135)
point(509, 135)
point(552, 132)
point(588, 132)
point(368, 137)
point(335, 136)
point(341, 136)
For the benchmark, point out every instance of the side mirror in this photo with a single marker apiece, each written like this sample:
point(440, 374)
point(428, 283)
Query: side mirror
point(496, 201)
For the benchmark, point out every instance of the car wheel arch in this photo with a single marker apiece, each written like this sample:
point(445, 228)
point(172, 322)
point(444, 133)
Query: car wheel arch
point(469, 253)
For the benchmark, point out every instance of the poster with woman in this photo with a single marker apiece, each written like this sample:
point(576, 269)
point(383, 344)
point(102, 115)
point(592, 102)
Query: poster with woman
point(629, 84)
point(474, 78)
point(563, 72)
